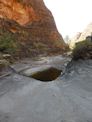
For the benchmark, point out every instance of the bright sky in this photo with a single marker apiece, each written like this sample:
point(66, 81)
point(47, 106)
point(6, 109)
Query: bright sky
point(71, 16)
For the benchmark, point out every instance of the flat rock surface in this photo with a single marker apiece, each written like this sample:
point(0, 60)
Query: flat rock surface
point(66, 99)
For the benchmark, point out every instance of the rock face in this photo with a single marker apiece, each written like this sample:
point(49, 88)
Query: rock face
point(32, 24)
point(81, 36)
point(74, 40)
point(14, 10)
point(86, 32)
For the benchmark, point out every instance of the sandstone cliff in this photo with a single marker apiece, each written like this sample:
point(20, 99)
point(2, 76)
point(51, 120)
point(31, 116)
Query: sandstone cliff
point(74, 40)
point(81, 36)
point(85, 33)
point(31, 25)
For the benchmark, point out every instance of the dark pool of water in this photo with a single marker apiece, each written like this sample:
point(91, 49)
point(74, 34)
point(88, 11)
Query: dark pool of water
point(47, 75)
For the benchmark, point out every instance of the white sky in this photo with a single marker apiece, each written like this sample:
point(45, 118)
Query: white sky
point(71, 16)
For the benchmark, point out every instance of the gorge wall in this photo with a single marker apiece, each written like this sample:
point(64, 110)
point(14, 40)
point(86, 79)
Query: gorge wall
point(31, 25)
point(81, 36)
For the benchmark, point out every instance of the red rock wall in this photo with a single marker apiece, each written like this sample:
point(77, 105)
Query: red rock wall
point(37, 19)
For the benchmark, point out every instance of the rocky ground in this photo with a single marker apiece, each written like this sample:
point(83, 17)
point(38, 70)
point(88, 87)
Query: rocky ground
point(66, 99)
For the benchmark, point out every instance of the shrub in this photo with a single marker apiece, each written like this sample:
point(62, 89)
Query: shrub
point(82, 50)
point(8, 43)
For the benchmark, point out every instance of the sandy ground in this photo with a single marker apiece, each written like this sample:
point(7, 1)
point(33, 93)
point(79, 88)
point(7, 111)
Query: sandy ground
point(66, 99)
